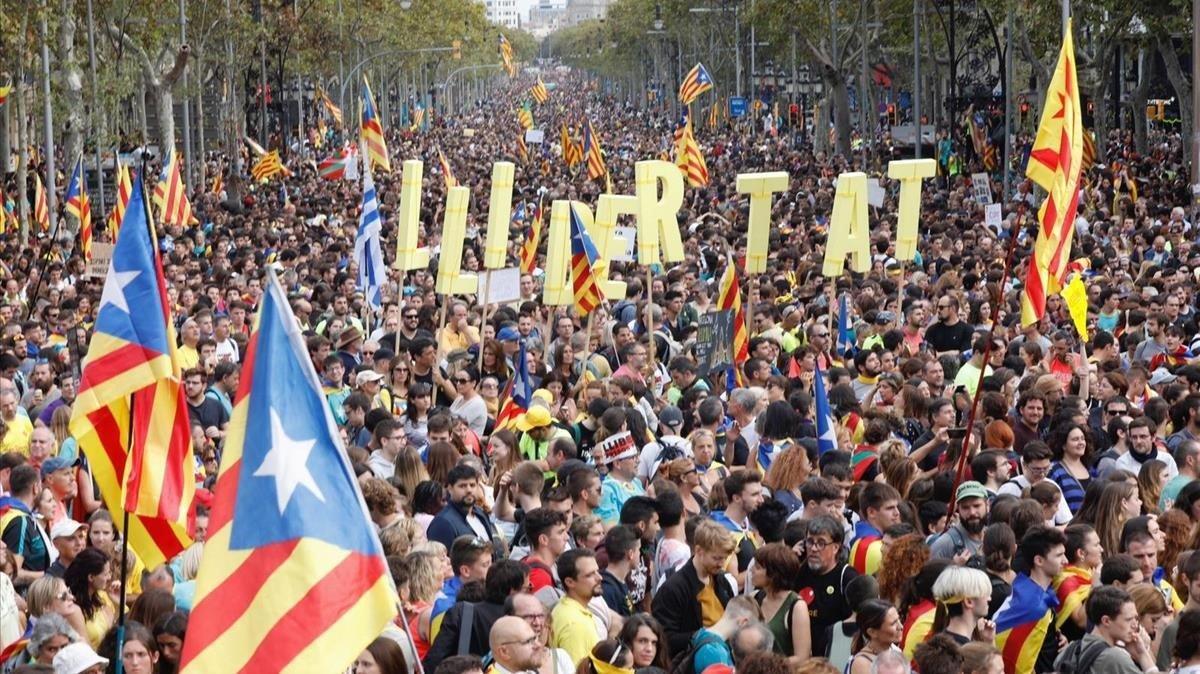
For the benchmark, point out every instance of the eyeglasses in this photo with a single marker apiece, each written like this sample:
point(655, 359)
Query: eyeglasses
point(1038, 470)
point(816, 544)
point(460, 380)
point(820, 334)
point(532, 617)
point(368, 354)
point(400, 369)
point(1115, 411)
point(65, 596)
point(410, 317)
point(943, 306)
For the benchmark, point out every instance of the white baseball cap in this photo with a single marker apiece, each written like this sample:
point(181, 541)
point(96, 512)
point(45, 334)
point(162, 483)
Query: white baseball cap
point(76, 658)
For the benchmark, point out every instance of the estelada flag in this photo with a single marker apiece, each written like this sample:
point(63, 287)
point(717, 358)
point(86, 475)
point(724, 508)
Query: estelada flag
point(293, 577)
point(1054, 164)
point(130, 416)
point(1072, 587)
point(1022, 622)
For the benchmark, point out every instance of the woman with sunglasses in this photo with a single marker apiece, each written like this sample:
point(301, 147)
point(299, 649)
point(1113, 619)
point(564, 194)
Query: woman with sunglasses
point(398, 379)
point(50, 595)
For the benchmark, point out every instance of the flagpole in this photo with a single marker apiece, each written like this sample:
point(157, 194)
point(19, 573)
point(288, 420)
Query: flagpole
point(487, 285)
point(961, 464)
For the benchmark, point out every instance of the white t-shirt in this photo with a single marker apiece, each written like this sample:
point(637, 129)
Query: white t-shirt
point(473, 410)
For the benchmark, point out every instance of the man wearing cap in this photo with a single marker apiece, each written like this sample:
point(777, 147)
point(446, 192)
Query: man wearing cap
point(963, 540)
point(621, 457)
point(510, 342)
point(69, 538)
point(671, 444)
point(537, 432)
point(370, 384)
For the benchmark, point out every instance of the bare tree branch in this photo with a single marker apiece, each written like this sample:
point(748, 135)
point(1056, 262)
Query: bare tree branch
point(148, 70)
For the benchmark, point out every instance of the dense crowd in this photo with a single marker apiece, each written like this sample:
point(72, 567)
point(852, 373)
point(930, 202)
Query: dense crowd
point(644, 513)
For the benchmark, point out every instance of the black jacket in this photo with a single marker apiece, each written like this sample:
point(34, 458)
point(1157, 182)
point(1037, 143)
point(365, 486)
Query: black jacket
point(446, 643)
point(451, 523)
point(676, 607)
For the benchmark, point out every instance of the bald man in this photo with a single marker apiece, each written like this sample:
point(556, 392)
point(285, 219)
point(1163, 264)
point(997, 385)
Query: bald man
point(515, 646)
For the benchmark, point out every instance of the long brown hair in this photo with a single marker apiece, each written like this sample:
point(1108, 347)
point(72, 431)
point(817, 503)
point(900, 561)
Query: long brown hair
point(789, 469)
point(903, 561)
point(1110, 513)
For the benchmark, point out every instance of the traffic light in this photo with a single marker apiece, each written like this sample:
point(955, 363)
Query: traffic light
point(456, 50)
point(891, 113)
point(1024, 109)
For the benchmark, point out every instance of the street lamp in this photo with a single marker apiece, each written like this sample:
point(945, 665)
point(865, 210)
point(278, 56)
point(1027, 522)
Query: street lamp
point(406, 5)
point(658, 20)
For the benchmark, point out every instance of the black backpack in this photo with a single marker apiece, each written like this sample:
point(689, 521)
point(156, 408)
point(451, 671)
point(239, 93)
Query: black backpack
point(1076, 659)
point(685, 662)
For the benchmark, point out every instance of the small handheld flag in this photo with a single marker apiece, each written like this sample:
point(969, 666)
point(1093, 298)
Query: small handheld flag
point(826, 436)
point(170, 195)
point(517, 402)
point(368, 245)
point(595, 156)
point(372, 132)
point(78, 206)
point(584, 259)
point(539, 92)
point(41, 207)
point(506, 54)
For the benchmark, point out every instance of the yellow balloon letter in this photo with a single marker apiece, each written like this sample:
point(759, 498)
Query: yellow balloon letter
point(849, 229)
point(657, 224)
point(760, 187)
point(608, 208)
point(909, 172)
point(408, 256)
point(450, 279)
point(499, 215)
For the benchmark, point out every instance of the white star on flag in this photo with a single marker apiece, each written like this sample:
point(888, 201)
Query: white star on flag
point(287, 462)
point(114, 287)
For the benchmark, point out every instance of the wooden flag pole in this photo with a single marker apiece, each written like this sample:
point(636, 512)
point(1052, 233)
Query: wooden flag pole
point(487, 283)
point(650, 321)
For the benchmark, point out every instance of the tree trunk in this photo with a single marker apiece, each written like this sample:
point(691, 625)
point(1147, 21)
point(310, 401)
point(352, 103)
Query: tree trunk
point(1041, 73)
point(23, 156)
point(1183, 91)
point(198, 124)
point(1105, 62)
point(835, 82)
point(71, 82)
point(141, 112)
point(5, 141)
point(1137, 100)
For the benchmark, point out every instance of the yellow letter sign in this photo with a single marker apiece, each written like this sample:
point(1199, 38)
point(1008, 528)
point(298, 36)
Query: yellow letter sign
point(450, 279)
point(499, 215)
point(760, 187)
point(909, 172)
point(608, 208)
point(408, 256)
point(849, 229)
point(657, 223)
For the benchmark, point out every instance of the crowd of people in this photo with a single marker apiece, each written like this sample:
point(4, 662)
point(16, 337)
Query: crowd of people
point(645, 512)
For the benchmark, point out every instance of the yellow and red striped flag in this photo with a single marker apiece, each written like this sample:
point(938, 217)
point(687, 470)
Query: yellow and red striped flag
point(572, 150)
point(595, 156)
point(293, 577)
point(522, 148)
point(77, 204)
point(1089, 151)
point(1022, 623)
point(170, 195)
point(1054, 164)
point(584, 272)
point(525, 117)
point(539, 92)
point(1072, 587)
point(372, 132)
point(334, 111)
point(5, 90)
point(124, 191)
point(268, 165)
point(131, 416)
point(729, 298)
point(688, 157)
point(696, 82)
point(506, 54)
point(528, 253)
point(447, 172)
point(41, 207)
point(218, 182)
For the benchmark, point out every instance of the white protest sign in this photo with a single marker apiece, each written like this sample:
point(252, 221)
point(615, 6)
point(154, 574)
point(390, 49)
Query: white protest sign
point(628, 251)
point(101, 258)
point(993, 215)
point(535, 136)
point(983, 187)
point(502, 285)
point(875, 193)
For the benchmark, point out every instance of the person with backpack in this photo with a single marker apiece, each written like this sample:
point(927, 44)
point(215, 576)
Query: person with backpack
point(710, 645)
point(1117, 644)
point(18, 529)
point(964, 539)
point(546, 531)
point(695, 596)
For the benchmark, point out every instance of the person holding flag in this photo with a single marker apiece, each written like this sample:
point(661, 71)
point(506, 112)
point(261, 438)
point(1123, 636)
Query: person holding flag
point(1026, 633)
point(79, 206)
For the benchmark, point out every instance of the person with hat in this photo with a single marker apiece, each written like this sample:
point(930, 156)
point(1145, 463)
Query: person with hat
point(69, 538)
point(537, 432)
point(370, 384)
point(348, 345)
point(620, 484)
point(671, 445)
point(58, 475)
point(963, 540)
point(79, 658)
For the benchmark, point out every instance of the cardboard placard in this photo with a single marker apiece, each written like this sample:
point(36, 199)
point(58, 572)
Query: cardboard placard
point(535, 136)
point(101, 258)
point(503, 285)
point(714, 342)
point(982, 187)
